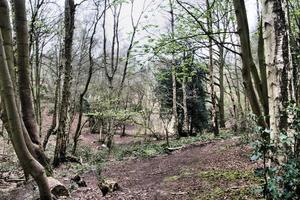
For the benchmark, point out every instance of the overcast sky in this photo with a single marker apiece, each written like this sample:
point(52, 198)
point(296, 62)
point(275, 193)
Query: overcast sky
point(155, 15)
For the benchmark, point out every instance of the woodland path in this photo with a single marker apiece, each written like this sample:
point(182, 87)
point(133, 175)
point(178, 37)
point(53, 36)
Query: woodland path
point(205, 170)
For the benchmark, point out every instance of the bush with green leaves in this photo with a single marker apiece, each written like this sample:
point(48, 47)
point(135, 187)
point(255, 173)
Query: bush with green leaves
point(281, 160)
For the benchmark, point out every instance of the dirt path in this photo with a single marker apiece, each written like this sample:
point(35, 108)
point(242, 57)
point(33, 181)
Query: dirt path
point(213, 170)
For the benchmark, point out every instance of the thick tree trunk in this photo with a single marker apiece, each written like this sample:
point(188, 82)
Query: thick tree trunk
point(278, 63)
point(61, 140)
point(34, 143)
point(248, 63)
point(24, 71)
point(29, 164)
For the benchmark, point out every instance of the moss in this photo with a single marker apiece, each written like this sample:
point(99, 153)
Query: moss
point(231, 175)
point(233, 194)
point(224, 184)
point(183, 173)
point(171, 178)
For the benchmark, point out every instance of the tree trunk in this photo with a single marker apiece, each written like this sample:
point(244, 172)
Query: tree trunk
point(23, 66)
point(263, 72)
point(27, 161)
point(185, 109)
point(24, 71)
point(278, 63)
point(53, 126)
point(247, 60)
point(174, 87)
point(214, 116)
point(81, 98)
point(222, 91)
point(61, 140)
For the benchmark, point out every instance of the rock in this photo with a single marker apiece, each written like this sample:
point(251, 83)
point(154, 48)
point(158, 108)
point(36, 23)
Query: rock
point(161, 195)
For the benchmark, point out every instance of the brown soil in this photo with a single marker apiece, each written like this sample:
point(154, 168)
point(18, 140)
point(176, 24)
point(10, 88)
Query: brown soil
point(204, 170)
point(176, 176)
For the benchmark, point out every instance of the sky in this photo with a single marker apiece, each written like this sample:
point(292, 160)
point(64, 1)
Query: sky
point(153, 15)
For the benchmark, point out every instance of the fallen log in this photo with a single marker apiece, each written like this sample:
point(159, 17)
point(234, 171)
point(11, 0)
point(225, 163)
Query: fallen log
point(57, 188)
point(171, 149)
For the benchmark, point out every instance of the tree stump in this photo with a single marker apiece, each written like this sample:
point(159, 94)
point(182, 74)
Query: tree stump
point(107, 186)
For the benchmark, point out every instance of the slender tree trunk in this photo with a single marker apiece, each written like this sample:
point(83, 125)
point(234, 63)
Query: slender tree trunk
point(53, 126)
point(61, 140)
point(235, 114)
point(214, 116)
point(174, 87)
point(185, 109)
point(262, 65)
point(222, 90)
point(81, 98)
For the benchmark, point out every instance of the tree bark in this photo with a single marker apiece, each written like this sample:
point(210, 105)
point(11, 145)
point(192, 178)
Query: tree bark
point(174, 87)
point(184, 103)
point(276, 39)
point(61, 140)
point(222, 90)
point(214, 116)
point(24, 70)
point(247, 60)
point(29, 164)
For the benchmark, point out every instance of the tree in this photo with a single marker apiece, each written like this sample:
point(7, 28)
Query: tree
point(90, 73)
point(249, 69)
point(61, 140)
point(29, 122)
point(278, 61)
point(24, 71)
point(21, 140)
point(173, 67)
point(214, 116)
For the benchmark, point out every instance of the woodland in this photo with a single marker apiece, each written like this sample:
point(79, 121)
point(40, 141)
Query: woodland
point(149, 99)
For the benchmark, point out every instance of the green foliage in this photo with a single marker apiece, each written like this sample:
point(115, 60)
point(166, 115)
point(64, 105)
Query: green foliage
point(282, 177)
point(230, 175)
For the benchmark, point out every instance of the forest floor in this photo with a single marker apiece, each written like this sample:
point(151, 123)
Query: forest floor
point(218, 169)
point(202, 168)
